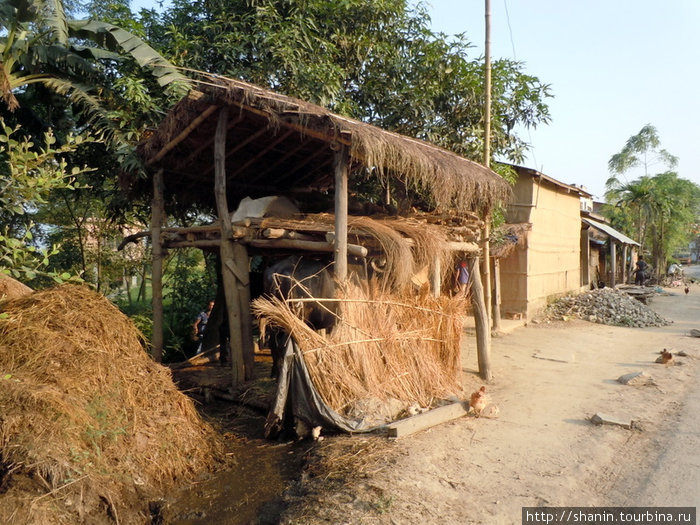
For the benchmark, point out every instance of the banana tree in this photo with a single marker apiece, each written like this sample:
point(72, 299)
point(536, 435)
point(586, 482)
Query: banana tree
point(76, 58)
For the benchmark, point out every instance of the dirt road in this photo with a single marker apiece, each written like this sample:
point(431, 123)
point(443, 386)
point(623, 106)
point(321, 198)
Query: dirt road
point(549, 379)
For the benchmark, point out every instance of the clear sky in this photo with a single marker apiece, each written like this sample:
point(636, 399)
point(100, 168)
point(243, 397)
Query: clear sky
point(613, 66)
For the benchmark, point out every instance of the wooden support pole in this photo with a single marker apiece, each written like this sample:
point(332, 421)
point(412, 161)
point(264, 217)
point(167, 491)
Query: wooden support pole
point(624, 264)
point(483, 333)
point(485, 248)
point(496, 294)
point(157, 214)
point(340, 168)
point(228, 267)
point(633, 259)
point(436, 277)
point(613, 262)
point(241, 263)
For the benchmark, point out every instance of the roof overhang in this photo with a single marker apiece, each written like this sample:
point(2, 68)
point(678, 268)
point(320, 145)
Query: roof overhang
point(610, 231)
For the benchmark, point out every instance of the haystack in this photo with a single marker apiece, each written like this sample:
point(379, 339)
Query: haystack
point(87, 415)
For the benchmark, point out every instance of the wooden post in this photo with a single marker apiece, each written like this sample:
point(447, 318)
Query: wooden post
point(485, 247)
point(436, 277)
point(483, 333)
point(496, 294)
point(624, 264)
point(340, 168)
point(240, 262)
point(228, 267)
point(613, 262)
point(157, 213)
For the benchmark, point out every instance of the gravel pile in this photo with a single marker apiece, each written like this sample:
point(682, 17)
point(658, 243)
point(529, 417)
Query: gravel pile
point(605, 306)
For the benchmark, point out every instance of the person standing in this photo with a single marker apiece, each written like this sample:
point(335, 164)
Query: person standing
point(462, 279)
point(639, 271)
point(200, 325)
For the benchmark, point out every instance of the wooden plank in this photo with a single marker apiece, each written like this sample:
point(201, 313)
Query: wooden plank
point(182, 136)
point(437, 416)
point(313, 246)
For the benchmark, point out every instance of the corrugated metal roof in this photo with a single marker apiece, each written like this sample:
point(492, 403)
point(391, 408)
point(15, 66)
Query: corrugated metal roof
point(609, 230)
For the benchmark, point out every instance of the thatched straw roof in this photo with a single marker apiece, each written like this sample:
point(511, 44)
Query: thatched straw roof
point(278, 144)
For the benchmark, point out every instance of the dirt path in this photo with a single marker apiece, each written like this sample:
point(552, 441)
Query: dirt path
point(542, 449)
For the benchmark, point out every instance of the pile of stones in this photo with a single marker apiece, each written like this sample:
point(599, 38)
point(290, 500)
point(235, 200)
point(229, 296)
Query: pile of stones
point(605, 306)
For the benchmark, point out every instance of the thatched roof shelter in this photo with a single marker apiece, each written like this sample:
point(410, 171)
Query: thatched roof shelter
point(227, 140)
point(277, 142)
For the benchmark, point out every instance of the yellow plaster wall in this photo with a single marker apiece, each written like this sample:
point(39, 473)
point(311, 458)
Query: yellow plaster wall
point(548, 265)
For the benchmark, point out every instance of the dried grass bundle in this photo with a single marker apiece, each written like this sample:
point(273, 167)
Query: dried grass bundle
point(430, 243)
point(80, 400)
point(383, 347)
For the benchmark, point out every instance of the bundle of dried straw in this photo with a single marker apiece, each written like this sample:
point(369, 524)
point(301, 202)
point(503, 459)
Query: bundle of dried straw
point(383, 346)
point(84, 408)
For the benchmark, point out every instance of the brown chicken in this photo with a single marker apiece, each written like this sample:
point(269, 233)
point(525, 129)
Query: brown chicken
point(687, 290)
point(666, 358)
point(478, 401)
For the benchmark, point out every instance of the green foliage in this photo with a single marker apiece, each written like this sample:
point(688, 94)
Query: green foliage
point(376, 61)
point(658, 211)
point(190, 282)
point(640, 150)
point(28, 174)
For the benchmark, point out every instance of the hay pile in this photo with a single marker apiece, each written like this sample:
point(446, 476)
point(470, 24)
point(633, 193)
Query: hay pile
point(86, 414)
point(384, 347)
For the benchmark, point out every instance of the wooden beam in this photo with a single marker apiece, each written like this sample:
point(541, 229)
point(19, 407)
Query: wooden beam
point(157, 214)
point(283, 159)
point(483, 332)
point(233, 305)
point(340, 170)
point(308, 159)
point(436, 416)
point(263, 151)
point(182, 135)
point(313, 246)
point(239, 146)
point(205, 144)
point(326, 137)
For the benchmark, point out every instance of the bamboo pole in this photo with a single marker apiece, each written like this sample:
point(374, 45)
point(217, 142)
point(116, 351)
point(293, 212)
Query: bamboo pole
point(496, 294)
point(487, 150)
point(157, 213)
point(233, 304)
point(340, 168)
point(483, 333)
